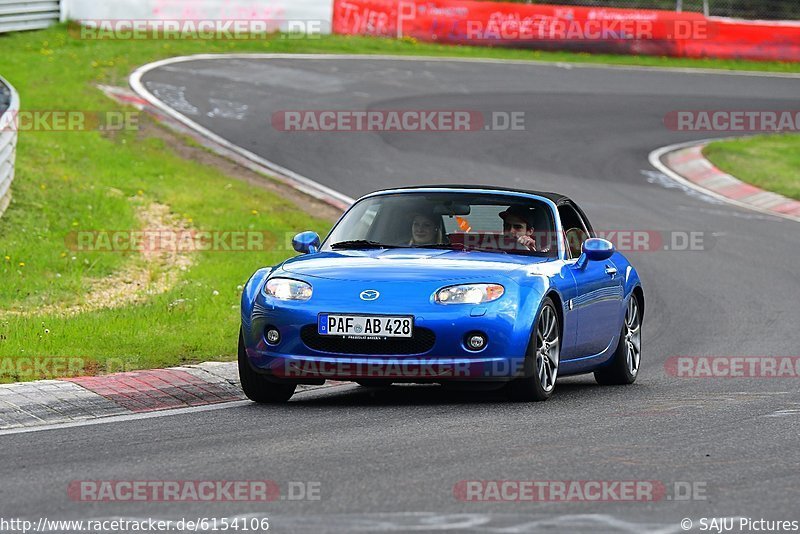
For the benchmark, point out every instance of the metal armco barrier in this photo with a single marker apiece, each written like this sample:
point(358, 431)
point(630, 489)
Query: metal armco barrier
point(9, 107)
point(17, 15)
point(583, 29)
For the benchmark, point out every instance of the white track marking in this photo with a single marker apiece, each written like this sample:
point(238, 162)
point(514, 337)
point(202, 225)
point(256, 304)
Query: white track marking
point(730, 213)
point(659, 178)
point(123, 418)
point(149, 415)
point(227, 109)
point(174, 96)
point(439, 59)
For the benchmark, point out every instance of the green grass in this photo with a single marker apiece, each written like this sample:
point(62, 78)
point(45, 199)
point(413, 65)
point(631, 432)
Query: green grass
point(771, 162)
point(90, 181)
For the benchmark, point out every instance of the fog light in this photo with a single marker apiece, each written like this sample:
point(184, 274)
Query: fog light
point(476, 341)
point(273, 336)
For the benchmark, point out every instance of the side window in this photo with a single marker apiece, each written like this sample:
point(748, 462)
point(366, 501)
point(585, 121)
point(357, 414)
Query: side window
point(575, 230)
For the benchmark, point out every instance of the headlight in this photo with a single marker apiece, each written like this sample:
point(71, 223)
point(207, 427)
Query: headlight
point(469, 294)
point(288, 289)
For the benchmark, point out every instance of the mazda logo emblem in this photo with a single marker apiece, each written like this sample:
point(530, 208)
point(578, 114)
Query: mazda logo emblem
point(369, 294)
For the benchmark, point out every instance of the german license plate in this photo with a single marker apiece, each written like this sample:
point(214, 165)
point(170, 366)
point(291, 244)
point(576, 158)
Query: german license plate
point(329, 324)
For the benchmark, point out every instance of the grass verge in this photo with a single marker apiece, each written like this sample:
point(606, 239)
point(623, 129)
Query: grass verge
point(93, 180)
point(770, 162)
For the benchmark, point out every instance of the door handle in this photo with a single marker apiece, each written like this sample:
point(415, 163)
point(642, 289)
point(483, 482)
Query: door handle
point(611, 271)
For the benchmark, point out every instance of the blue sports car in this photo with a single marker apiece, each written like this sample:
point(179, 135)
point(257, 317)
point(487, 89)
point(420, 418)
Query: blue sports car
point(472, 286)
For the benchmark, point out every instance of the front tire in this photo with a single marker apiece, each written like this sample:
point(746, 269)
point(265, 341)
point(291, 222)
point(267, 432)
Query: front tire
point(260, 388)
point(541, 360)
point(624, 366)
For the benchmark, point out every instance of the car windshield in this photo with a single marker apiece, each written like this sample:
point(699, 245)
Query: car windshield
point(498, 223)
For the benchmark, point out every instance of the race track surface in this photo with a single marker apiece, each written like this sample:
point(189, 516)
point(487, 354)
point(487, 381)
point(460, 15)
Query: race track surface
point(388, 460)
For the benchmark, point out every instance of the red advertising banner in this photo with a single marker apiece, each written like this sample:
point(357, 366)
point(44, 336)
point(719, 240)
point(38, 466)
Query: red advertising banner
point(741, 39)
point(552, 27)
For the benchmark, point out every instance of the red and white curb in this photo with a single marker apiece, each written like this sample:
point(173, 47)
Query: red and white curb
point(686, 164)
point(70, 400)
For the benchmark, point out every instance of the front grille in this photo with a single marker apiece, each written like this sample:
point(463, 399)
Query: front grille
point(420, 343)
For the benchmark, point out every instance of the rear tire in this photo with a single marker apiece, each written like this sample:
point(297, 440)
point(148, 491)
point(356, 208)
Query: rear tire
point(541, 360)
point(260, 388)
point(624, 366)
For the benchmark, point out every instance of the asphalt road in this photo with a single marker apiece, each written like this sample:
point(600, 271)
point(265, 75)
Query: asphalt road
point(389, 460)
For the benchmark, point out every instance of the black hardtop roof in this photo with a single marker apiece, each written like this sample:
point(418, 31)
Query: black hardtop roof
point(556, 198)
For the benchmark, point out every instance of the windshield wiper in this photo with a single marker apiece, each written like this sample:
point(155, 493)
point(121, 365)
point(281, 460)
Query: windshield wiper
point(360, 243)
point(446, 246)
point(490, 249)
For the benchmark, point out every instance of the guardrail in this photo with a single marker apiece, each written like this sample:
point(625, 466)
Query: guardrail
point(8, 140)
point(17, 15)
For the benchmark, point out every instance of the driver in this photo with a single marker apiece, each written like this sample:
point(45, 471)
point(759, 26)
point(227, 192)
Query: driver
point(518, 224)
point(424, 230)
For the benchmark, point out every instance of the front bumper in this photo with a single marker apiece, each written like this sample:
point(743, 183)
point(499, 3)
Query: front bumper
point(415, 370)
point(446, 358)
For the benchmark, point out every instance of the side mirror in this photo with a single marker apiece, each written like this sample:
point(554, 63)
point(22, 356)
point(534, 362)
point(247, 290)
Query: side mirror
point(306, 242)
point(595, 249)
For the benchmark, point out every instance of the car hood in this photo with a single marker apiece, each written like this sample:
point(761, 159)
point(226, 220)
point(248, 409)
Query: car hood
point(409, 265)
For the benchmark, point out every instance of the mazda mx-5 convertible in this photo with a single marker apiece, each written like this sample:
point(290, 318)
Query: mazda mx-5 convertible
point(469, 286)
